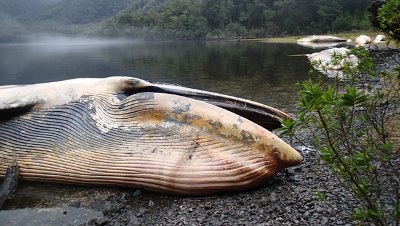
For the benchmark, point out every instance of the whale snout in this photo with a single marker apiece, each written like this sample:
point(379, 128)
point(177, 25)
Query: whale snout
point(286, 155)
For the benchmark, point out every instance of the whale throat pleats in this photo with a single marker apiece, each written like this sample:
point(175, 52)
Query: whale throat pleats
point(159, 142)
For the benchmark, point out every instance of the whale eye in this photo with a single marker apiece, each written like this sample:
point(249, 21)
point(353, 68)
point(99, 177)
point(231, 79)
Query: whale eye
point(133, 81)
point(129, 84)
point(137, 83)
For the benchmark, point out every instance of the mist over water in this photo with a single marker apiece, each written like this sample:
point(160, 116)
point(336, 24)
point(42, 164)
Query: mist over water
point(50, 40)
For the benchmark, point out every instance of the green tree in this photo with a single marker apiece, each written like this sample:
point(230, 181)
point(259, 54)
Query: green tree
point(190, 19)
point(389, 18)
point(217, 13)
point(182, 19)
point(326, 13)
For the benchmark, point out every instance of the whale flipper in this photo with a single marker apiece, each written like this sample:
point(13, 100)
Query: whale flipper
point(10, 182)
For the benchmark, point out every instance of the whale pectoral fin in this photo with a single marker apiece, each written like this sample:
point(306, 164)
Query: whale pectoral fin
point(11, 107)
point(10, 182)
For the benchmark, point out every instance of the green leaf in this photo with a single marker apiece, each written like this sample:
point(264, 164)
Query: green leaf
point(311, 96)
point(327, 154)
point(329, 95)
point(360, 214)
point(360, 159)
point(321, 196)
point(353, 98)
point(288, 127)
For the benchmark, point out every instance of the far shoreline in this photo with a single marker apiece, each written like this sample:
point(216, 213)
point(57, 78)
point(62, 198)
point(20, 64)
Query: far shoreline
point(294, 38)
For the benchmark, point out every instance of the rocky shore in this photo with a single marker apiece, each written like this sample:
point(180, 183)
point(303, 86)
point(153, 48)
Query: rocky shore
point(288, 199)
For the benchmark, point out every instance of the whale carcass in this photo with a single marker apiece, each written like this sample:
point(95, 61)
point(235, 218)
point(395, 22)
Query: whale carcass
point(123, 131)
point(332, 61)
point(321, 39)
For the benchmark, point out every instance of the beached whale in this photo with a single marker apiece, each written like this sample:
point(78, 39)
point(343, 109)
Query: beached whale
point(320, 39)
point(123, 131)
point(332, 61)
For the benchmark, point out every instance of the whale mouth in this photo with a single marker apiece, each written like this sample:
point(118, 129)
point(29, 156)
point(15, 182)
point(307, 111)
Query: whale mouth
point(265, 116)
point(55, 93)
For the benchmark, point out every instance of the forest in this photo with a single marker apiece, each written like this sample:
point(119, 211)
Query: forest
point(183, 19)
point(209, 19)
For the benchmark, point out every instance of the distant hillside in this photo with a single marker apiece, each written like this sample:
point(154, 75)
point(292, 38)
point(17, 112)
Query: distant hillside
point(78, 11)
point(20, 19)
point(181, 19)
point(204, 19)
point(16, 8)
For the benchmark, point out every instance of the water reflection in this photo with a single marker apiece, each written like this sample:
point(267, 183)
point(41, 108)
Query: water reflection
point(323, 45)
point(260, 71)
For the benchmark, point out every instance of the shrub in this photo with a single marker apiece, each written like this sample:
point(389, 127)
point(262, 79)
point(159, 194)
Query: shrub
point(348, 124)
point(389, 18)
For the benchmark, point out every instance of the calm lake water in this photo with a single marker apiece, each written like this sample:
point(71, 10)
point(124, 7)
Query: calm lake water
point(263, 72)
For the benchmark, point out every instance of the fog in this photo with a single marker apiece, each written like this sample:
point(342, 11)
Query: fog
point(15, 32)
point(9, 23)
point(49, 2)
point(19, 24)
point(63, 40)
